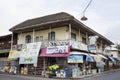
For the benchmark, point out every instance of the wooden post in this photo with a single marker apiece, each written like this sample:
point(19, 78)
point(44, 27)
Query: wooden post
point(70, 33)
point(79, 34)
point(44, 66)
point(33, 35)
point(12, 41)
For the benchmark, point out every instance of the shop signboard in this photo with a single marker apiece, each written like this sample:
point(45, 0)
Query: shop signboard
point(14, 54)
point(91, 47)
point(75, 58)
point(79, 45)
point(57, 50)
point(29, 53)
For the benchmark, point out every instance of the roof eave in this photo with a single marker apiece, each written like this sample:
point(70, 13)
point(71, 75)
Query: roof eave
point(92, 31)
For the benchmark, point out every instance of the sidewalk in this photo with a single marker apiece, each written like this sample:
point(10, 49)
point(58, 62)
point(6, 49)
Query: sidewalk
point(36, 77)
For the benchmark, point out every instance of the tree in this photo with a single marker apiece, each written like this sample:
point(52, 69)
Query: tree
point(117, 46)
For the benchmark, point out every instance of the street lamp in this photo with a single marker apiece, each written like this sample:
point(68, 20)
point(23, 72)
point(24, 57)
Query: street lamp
point(85, 18)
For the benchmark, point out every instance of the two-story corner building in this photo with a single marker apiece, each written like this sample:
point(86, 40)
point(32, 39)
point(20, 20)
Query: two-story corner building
point(62, 39)
point(5, 47)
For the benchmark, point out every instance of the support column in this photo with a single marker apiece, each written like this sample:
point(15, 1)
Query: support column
point(50, 32)
point(87, 39)
point(33, 35)
point(101, 46)
point(12, 41)
point(79, 34)
point(70, 33)
point(44, 66)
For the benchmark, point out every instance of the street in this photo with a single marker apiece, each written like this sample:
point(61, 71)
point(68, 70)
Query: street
point(109, 76)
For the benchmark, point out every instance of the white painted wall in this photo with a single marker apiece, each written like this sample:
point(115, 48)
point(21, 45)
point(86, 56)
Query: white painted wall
point(60, 34)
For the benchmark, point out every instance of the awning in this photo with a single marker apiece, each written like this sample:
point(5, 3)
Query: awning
point(4, 51)
point(112, 59)
point(6, 59)
point(116, 59)
point(89, 58)
point(45, 54)
point(102, 56)
point(96, 57)
point(78, 53)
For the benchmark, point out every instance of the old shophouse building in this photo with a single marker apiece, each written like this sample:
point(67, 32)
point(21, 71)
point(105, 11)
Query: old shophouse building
point(59, 37)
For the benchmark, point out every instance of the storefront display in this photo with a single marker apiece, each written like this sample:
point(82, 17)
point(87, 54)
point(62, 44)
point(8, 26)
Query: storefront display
point(5, 65)
point(24, 70)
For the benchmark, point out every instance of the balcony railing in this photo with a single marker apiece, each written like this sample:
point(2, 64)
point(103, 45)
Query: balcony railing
point(75, 44)
point(47, 43)
point(5, 46)
point(79, 45)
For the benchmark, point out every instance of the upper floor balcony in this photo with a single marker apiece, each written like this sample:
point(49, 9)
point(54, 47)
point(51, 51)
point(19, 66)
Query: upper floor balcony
point(79, 45)
point(5, 46)
point(74, 44)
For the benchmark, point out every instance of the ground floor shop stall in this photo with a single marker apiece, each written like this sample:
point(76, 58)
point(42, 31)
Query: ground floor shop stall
point(23, 56)
point(29, 56)
point(71, 64)
point(87, 63)
point(8, 65)
point(114, 63)
point(81, 63)
point(56, 61)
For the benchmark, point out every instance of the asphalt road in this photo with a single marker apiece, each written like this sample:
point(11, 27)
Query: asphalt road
point(107, 76)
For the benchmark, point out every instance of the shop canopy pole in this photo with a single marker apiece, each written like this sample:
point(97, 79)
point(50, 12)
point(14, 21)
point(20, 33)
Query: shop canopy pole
point(44, 65)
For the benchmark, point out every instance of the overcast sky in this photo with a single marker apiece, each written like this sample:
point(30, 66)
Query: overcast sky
point(103, 15)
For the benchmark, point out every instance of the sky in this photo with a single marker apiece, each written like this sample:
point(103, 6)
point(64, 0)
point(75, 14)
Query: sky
point(103, 15)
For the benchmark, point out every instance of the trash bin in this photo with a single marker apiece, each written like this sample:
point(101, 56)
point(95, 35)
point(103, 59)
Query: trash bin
point(67, 72)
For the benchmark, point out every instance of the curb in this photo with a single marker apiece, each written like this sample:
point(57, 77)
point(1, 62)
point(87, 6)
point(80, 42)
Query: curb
point(81, 77)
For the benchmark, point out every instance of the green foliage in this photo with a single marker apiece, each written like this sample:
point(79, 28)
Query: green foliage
point(117, 46)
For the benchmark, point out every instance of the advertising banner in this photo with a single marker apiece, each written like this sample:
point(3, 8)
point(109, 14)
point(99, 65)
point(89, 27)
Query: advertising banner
point(14, 54)
point(75, 58)
point(57, 50)
point(79, 45)
point(29, 53)
point(91, 47)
